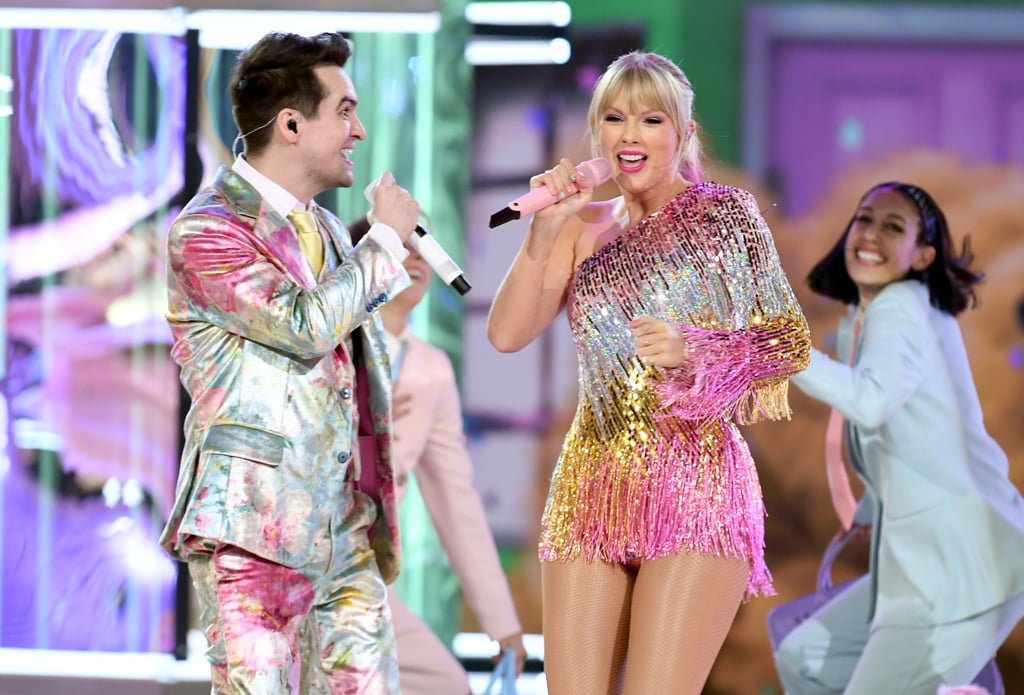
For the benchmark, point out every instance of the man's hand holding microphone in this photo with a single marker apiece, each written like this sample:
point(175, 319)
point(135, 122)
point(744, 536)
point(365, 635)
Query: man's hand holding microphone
point(393, 206)
point(414, 234)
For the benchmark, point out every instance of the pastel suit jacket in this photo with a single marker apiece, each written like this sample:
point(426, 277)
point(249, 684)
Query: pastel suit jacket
point(948, 524)
point(270, 441)
point(431, 442)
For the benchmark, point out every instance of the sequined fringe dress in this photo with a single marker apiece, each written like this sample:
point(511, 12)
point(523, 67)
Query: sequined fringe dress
point(654, 464)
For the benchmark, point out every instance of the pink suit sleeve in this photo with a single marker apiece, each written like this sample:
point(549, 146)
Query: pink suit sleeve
point(445, 477)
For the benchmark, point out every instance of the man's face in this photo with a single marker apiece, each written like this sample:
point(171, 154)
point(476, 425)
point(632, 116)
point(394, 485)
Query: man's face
point(327, 139)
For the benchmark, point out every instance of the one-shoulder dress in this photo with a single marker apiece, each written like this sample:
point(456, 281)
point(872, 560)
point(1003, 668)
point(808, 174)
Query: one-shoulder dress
point(654, 464)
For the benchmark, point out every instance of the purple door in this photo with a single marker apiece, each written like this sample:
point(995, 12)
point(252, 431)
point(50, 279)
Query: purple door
point(835, 103)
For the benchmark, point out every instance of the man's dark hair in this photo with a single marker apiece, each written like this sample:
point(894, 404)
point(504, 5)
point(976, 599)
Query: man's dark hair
point(276, 73)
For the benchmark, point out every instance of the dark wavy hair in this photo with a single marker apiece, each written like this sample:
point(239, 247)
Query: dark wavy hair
point(949, 278)
point(275, 73)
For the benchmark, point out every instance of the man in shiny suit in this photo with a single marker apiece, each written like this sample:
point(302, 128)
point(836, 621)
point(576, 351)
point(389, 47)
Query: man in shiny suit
point(285, 504)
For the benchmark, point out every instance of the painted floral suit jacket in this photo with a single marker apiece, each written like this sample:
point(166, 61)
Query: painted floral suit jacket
point(269, 438)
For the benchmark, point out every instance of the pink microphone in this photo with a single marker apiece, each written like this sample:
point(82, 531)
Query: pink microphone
point(597, 170)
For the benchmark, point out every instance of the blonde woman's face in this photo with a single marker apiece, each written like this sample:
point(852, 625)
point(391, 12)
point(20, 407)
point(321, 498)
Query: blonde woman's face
point(642, 144)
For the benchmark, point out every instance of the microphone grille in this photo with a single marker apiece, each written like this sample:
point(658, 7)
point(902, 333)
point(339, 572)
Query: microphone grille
point(598, 170)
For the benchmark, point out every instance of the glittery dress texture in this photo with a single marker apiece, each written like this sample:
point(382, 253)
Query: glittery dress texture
point(654, 464)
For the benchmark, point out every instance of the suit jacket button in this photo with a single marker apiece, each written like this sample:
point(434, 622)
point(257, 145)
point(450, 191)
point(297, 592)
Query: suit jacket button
point(382, 298)
point(343, 457)
point(369, 308)
point(346, 393)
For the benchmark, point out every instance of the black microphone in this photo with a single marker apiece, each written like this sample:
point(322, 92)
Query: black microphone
point(424, 243)
point(597, 170)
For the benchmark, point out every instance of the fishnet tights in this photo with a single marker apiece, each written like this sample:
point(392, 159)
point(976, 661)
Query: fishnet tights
point(656, 629)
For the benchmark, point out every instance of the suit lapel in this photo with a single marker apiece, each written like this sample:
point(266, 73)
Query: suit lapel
point(267, 224)
point(337, 237)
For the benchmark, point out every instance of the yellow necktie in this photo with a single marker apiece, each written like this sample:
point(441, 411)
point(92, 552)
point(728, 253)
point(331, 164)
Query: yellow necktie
point(309, 238)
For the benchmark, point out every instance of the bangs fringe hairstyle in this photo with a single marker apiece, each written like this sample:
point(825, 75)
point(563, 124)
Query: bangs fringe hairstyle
point(949, 279)
point(277, 73)
point(655, 82)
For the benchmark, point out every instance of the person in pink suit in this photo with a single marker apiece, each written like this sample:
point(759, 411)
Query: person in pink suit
point(285, 506)
point(430, 443)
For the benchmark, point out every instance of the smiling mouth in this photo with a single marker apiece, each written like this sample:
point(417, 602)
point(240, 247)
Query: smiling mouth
point(869, 257)
point(631, 161)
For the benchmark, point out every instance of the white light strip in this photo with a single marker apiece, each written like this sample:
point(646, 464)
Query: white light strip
point(518, 52)
point(114, 666)
point(231, 29)
point(170, 21)
point(557, 14)
point(478, 645)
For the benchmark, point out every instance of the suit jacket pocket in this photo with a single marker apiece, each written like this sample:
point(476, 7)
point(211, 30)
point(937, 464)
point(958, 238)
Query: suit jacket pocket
point(243, 441)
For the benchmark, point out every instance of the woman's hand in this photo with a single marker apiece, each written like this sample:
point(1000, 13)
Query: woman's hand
point(515, 643)
point(566, 183)
point(658, 343)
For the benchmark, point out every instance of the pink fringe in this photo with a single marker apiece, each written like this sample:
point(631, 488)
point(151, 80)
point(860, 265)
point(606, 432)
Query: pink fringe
point(715, 378)
point(693, 492)
point(730, 373)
